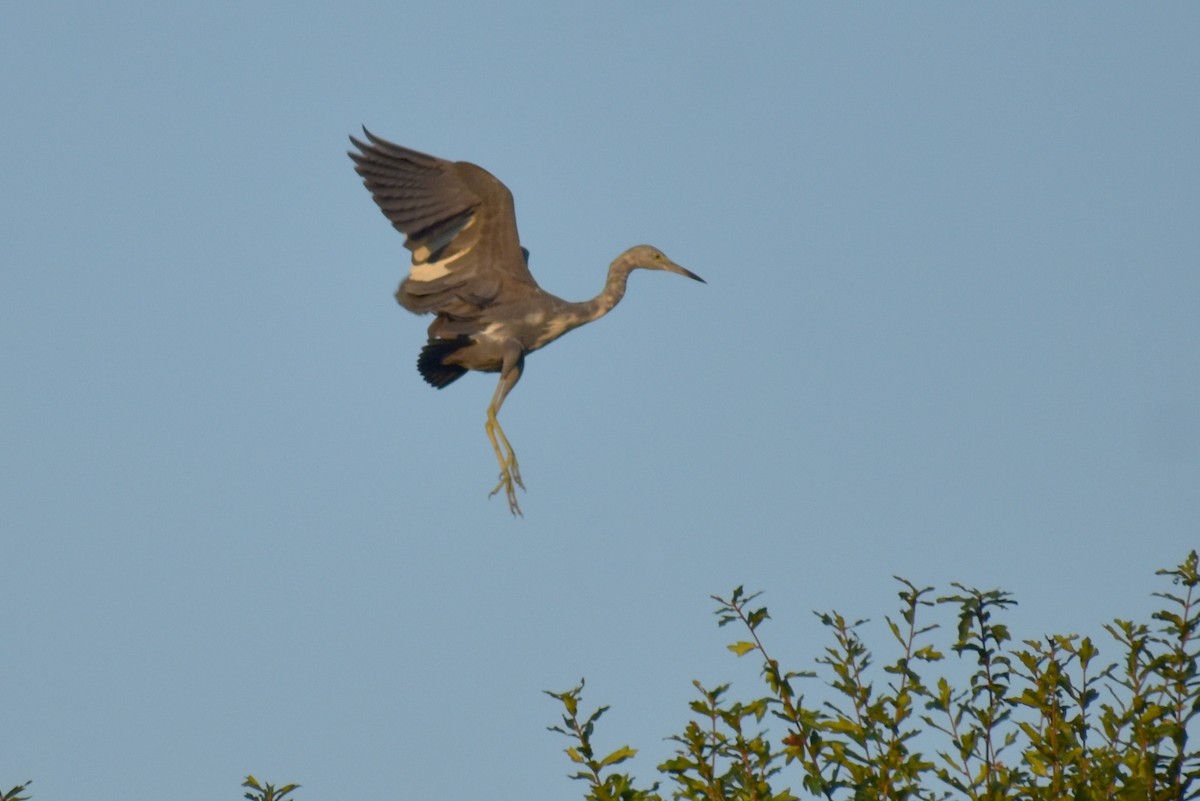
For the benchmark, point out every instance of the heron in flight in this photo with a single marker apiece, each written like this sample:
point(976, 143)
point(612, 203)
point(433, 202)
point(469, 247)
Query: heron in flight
point(469, 269)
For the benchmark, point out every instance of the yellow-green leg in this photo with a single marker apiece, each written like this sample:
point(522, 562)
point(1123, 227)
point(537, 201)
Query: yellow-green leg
point(510, 471)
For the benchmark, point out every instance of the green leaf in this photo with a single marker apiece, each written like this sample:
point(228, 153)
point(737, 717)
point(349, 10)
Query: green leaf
point(677, 764)
point(928, 653)
point(843, 726)
point(618, 756)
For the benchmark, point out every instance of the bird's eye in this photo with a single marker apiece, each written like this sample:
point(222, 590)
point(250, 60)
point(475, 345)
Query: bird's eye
point(658, 257)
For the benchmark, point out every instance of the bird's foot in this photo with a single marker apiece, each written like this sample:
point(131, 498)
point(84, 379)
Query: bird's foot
point(514, 469)
point(508, 477)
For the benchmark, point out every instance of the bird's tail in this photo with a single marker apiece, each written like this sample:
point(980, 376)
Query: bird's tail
point(432, 361)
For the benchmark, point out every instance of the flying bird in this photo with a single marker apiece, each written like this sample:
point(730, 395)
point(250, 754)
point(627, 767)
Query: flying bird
point(469, 269)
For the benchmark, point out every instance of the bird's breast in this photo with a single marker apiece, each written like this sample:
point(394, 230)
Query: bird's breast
point(550, 330)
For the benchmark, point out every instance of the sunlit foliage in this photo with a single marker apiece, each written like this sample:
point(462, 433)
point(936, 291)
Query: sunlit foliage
point(1043, 718)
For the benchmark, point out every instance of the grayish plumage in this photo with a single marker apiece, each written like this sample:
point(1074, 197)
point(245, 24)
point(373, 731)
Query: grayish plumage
point(469, 269)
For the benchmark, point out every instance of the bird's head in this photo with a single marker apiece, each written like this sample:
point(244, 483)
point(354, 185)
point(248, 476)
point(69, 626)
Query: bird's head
point(651, 258)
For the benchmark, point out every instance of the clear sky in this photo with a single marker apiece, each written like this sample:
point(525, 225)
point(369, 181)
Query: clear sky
point(950, 332)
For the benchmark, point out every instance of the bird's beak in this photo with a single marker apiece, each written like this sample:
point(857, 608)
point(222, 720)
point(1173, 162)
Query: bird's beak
point(675, 268)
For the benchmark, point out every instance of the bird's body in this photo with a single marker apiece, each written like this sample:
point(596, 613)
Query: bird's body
point(469, 269)
point(534, 321)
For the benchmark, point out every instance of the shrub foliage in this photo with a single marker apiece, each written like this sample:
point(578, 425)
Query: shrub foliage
point(1038, 719)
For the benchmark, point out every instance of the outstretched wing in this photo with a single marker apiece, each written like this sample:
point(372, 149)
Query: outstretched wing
point(460, 226)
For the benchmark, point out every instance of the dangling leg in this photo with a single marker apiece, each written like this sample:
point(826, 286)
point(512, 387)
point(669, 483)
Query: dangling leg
point(510, 472)
point(510, 456)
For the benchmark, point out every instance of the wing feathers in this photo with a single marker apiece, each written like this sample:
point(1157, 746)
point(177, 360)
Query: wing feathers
point(460, 225)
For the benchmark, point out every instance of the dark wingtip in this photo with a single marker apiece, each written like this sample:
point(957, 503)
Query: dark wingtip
point(372, 139)
point(362, 146)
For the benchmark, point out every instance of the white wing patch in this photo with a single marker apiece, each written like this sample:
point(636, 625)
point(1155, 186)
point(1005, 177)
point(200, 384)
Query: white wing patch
point(433, 270)
point(423, 270)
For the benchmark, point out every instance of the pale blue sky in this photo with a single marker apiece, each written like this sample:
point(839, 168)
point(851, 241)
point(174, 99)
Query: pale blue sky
point(950, 332)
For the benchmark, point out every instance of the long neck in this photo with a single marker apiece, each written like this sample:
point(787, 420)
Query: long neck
point(569, 315)
point(614, 290)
